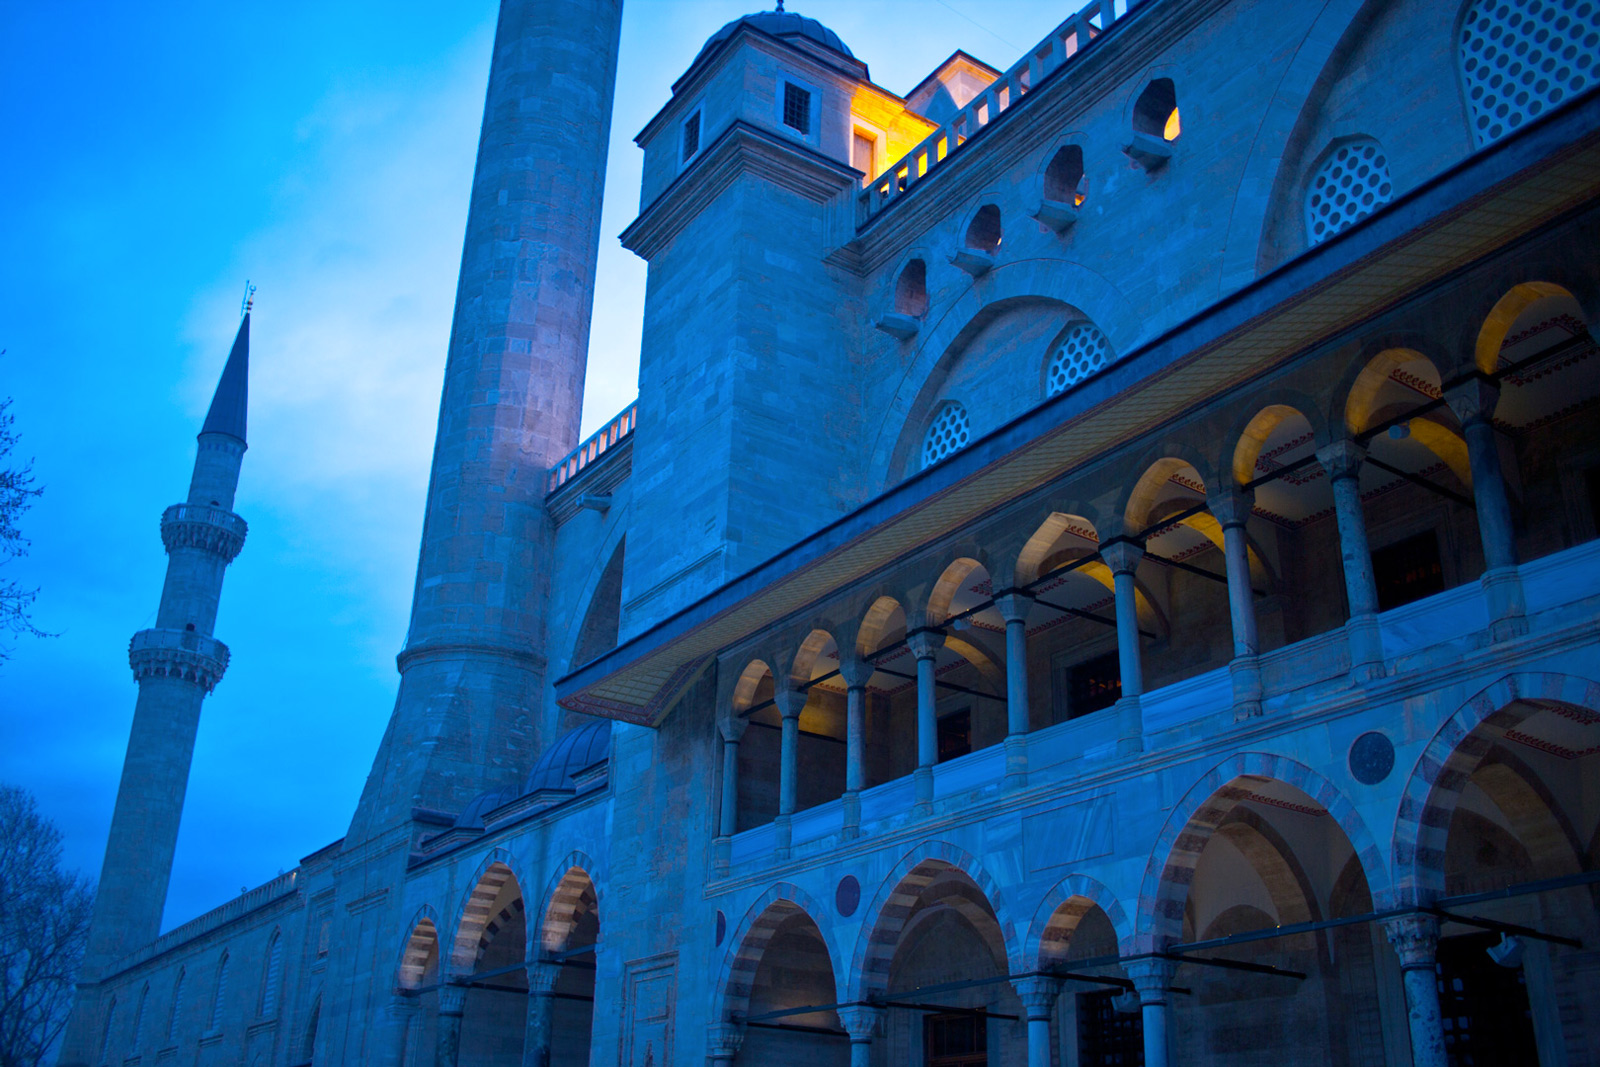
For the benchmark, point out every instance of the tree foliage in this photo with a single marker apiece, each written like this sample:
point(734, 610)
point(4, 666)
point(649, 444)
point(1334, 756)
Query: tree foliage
point(17, 493)
point(44, 925)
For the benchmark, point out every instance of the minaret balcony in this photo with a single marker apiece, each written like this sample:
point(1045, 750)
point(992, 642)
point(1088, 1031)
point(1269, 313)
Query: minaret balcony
point(183, 654)
point(210, 529)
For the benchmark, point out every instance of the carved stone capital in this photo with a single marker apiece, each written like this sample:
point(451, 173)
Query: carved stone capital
point(1473, 400)
point(924, 644)
point(1231, 507)
point(724, 1039)
point(1415, 939)
point(790, 700)
point(1013, 606)
point(854, 670)
point(183, 654)
point(1122, 556)
point(1341, 459)
point(1038, 994)
point(861, 1021)
point(452, 998)
point(1151, 978)
point(542, 976)
point(209, 529)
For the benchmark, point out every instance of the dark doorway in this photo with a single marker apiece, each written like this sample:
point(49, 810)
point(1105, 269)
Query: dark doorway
point(956, 1040)
point(1106, 1036)
point(1408, 570)
point(1484, 1005)
point(955, 734)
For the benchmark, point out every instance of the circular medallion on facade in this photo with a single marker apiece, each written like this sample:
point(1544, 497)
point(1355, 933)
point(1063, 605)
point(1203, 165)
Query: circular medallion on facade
point(1371, 758)
point(847, 896)
point(722, 928)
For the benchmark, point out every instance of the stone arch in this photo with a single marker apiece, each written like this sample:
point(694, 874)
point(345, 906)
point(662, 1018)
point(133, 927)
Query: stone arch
point(949, 582)
point(1049, 281)
point(744, 690)
point(308, 1034)
point(742, 957)
point(1037, 550)
point(878, 622)
point(1063, 906)
point(1434, 787)
point(611, 549)
point(883, 922)
point(473, 918)
point(421, 943)
point(599, 624)
point(562, 899)
point(1145, 493)
point(1202, 810)
point(985, 226)
point(1371, 401)
point(1062, 173)
point(1497, 322)
point(909, 294)
point(1247, 438)
point(815, 645)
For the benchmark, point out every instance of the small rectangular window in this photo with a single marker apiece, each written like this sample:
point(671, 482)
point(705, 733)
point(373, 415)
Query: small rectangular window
point(955, 1040)
point(797, 108)
point(1408, 570)
point(955, 734)
point(691, 136)
point(862, 151)
point(1085, 687)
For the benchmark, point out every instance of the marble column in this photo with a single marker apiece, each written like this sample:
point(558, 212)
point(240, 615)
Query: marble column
point(452, 1003)
point(855, 671)
point(1473, 403)
point(861, 1022)
point(1152, 979)
point(789, 701)
point(732, 729)
point(542, 975)
point(722, 1043)
point(1342, 460)
point(1013, 607)
point(1416, 939)
point(924, 645)
point(1123, 558)
point(1038, 995)
point(1231, 508)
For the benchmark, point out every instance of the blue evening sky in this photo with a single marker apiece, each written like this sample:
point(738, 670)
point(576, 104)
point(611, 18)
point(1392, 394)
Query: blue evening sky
point(157, 155)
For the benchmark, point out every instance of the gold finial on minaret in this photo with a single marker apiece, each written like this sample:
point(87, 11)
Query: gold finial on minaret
point(249, 299)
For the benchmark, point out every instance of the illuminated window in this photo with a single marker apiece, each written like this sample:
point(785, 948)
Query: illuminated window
point(1351, 184)
point(984, 232)
point(911, 290)
point(1064, 180)
point(1082, 350)
point(949, 432)
point(691, 136)
point(1520, 58)
point(1156, 111)
point(797, 108)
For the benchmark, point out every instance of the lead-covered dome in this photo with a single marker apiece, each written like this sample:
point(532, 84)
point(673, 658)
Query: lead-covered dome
point(783, 24)
point(574, 751)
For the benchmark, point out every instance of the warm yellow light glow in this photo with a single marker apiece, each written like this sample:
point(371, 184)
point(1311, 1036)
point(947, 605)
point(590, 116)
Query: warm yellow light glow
point(1173, 128)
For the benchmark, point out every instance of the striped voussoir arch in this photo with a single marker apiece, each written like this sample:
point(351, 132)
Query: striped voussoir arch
point(564, 901)
point(749, 944)
point(1422, 823)
point(1063, 907)
point(886, 919)
point(421, 945)
point(1192, 821)
point(479, 922)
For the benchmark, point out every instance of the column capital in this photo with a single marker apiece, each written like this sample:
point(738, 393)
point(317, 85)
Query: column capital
point(1013, 605)
point(452, 998)
point(861, 1022)
point(723, 1040)
point(855, 670)
point(542, 976)
point(1231, 506)
point(1122, 555)
point(1151, 978)
point(924, 643)
point(1415, 939)
point(1473, 399)
point(1341, 459)
point(790, 699)
point(1038, 994)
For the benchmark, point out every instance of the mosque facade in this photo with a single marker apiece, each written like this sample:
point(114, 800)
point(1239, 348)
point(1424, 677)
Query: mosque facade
point(1102, 569)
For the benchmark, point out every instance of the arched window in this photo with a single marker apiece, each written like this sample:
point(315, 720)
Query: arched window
point(983, 235)
point(949, 432)
point(220, 995)
point(1351, 184)
point(271, 978)
point(1156, 111)
point(1064, 180)
point(177, 1006)
point(911, 290)
point(1081, 351)
point(308, 1045)
point(1521, 57)
point(105, 1031)
point(138, 1019)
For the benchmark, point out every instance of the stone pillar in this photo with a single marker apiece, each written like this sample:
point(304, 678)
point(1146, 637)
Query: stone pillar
point(1231, 508)
point(1123, 558)
point(789, 702)
point(542, 976)
point(1013, 608)
point(855, 672)
point(1038, 995)
point(861, 1022)
point(924, 644)
point(1415, 939)
point(452, 1003)
point(1151, 980)
point(728, 825)
point(722, 1043)
point(394, 1020)
point(1473, 402)
point(1342, 461)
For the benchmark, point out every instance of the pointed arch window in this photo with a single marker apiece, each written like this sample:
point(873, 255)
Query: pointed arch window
point(1352, 182)
point(138, 1019)
point(949, 432)
point(1519, 58)
point(105, 1031)
point(1081, 351)
point(220, 995)
point(176, 1012)
point(272, 977)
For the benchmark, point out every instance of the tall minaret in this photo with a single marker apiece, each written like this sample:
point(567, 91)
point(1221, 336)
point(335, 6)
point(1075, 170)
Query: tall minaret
point(176, 664)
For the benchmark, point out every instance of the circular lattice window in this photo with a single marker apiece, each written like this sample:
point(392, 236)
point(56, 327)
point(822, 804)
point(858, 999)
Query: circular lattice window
point(1351, 184)
point(1082, 350)
point(1521, 57)
point(949, 432)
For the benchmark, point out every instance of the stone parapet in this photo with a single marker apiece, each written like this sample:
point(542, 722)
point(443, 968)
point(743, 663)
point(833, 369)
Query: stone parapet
point(210, 529)
point(184, 654)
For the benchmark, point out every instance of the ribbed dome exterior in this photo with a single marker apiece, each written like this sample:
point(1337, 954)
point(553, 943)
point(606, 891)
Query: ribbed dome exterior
point(572, 752)
point(472, 815)
point(780, 24)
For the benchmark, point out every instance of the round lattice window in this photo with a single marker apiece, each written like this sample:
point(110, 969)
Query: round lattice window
point(1083, 349)
point(1522, 57)
point(949, 432)
point(1351, 184)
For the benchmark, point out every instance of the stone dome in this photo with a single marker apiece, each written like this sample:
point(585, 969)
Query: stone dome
point(572, 752)
point(472, 815)
point(783, 24)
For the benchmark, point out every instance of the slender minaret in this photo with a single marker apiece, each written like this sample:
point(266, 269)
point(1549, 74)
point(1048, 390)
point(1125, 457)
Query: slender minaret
point(176, 664)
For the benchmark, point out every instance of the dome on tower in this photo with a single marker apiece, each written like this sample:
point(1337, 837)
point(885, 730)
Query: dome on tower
point(780, 23)
point(573, 751)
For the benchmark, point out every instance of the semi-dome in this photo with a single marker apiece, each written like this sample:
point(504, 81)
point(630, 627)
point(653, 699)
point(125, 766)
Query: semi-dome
point(472, 816)
point(572, 752)
point(785, 24)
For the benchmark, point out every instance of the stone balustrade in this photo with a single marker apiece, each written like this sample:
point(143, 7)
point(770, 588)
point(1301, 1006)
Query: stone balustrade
point(598, 444)
point(185, 654)
point(203, 526)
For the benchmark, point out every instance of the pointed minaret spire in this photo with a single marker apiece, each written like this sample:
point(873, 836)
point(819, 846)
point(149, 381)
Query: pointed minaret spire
point(229, 403)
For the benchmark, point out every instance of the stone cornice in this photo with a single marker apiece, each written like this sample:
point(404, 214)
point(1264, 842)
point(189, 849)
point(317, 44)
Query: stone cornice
point(183, 654)
point(741, 149)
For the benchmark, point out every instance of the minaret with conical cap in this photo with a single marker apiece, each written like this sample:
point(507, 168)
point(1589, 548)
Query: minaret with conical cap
point(176, 664)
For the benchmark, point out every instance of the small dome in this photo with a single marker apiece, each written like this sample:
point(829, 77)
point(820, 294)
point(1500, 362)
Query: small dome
point(572, 752)
point(471, 816)
point(779, 24)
